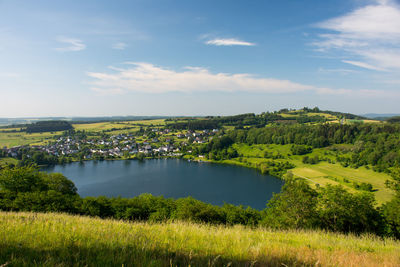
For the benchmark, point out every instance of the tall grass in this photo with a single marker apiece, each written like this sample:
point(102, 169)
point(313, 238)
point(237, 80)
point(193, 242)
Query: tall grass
point(65, 240)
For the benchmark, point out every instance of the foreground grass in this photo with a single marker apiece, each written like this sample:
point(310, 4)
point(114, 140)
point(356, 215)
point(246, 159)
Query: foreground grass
point(64, 240)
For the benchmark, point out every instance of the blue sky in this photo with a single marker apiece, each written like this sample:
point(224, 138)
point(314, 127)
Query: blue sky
point(96, 58)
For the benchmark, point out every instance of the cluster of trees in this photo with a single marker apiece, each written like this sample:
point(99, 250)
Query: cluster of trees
point(28, 156)
point(297, 207)
point(311, 160)
point(48, 126)
point(300, 149)
point(193, 125)
point(275, 168)
point(375, 145)
point(241, 120)
point(395, 119)
point(218, 148)
point(334, 113)
point(331, 208)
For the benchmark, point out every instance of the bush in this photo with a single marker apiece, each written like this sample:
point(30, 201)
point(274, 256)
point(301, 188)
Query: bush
point(300, 149)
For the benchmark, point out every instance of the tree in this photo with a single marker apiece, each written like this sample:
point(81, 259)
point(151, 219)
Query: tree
point(294, 207)
point(341, 211)
point(21, 179)
point(391, 209)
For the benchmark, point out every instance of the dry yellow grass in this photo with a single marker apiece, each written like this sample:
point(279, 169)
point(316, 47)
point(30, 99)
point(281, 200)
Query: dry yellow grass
point(63, 240)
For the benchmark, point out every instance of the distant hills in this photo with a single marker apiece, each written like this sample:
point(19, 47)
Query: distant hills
point(15, 121)
point(30, 120)
point(377, 116)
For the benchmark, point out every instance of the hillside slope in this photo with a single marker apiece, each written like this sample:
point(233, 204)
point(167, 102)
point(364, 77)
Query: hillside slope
point(64, 240)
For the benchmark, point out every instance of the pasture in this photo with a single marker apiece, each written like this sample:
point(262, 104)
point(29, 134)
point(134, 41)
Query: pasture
point(322, 173)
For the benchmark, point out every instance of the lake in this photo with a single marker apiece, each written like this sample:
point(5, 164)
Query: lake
point(175, 178)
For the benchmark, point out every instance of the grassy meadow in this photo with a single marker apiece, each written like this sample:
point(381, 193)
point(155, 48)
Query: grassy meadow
point(64, 240)
point(11, 139)
point(322, 173)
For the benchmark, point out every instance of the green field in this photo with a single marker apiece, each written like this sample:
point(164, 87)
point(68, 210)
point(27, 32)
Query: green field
point(63, 240)
point(322, 173)
point(11, 139)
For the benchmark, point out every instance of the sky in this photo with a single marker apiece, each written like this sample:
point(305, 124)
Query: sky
point(171, 58)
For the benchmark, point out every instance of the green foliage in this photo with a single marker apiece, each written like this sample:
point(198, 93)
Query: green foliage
point(331, 208)
point(48, 126)
point(395, 119)
point(300, 149)
point(391, 213)
point(368, 144)
point(298, 206)
point(21, 180)
point(339, 210)
point(294, 207)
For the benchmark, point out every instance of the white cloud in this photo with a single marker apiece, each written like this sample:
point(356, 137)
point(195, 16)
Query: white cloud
point(341, 71)
point(145, 77)
point(361, 65)
point(119, 46)
point(228, 42)
point(370, 34)
point(148, 78)
point(74, 44)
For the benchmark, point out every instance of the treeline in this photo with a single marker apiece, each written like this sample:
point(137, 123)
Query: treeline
point(202, 124)
point(395, 119)
point(335, 113)
point(239, 121)
point(376, 145)
point(297, 207)
point(48, 126)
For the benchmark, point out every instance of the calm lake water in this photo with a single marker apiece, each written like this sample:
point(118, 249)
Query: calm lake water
point(212, 183)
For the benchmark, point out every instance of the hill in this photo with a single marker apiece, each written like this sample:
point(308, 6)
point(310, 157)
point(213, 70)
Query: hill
point(64, 240)
point(382, 116)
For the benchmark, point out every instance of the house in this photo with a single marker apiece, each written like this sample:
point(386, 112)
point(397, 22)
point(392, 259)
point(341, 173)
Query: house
point(147, 149)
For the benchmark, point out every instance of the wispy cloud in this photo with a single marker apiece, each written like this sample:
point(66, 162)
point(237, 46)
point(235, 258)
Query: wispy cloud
point(9, 75)
point(145, 77)
point(362, 65)
point(369, 36)
point(228, 42)
point(108, 91)
point(148, 78)
point(120, 46)
point(341, 71)
point(73, 44)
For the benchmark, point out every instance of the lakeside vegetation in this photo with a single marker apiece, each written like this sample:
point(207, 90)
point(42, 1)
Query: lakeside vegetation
point(298, 206)
point(64, 240)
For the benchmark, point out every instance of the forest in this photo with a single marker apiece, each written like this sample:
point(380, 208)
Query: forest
point(48, 126)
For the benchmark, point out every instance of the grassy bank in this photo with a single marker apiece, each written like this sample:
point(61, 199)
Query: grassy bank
point(63, 240)
point(322, 173)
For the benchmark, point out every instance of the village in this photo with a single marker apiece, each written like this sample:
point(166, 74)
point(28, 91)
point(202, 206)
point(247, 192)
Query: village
point(153, 142)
